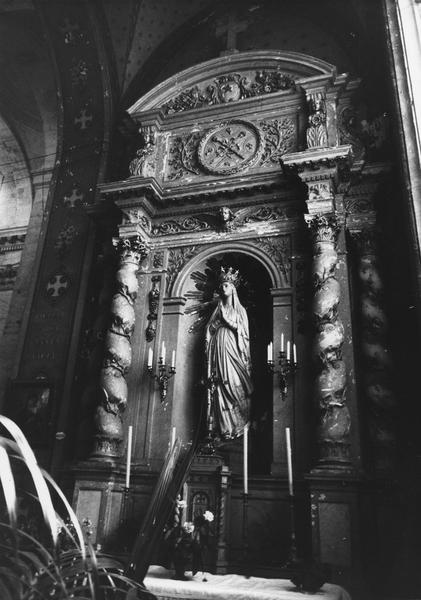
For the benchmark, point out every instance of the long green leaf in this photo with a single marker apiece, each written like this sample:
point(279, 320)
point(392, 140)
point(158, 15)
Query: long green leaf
point(37, 477)
point(70, 512)
point(8, 485)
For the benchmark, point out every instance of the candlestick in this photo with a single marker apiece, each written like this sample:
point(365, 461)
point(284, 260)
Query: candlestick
point(288, 350)
point(270, 352)
point(289, 461)
point(282, 342)
point(245, 459)
point(150, 358)
point(129, 455)
point(295, 353)
point(173, 360)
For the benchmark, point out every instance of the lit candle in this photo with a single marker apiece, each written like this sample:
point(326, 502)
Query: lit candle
point(163, 353)
point(245, 458)
point(288, 350)
point(129, 455)
point(295, 353)
point(173, 432)
point(173, 360)
point(282, 342)
point(289, 461)
point(150, 358)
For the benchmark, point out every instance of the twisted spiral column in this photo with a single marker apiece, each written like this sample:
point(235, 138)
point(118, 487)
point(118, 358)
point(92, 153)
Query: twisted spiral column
point(118, 352)
point(379, 396)
point(334, 418)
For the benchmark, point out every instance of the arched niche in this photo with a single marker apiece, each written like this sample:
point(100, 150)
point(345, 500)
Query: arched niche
point(198, 284)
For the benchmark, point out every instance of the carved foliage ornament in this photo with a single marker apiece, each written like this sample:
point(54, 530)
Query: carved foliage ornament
point(231, 147)
point(323, 228)
point(177, 258)
point(132, 249)
point(174, 226)
point(230, 88)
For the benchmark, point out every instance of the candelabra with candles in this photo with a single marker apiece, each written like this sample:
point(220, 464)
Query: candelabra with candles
point(164, 373)
point(287, 363)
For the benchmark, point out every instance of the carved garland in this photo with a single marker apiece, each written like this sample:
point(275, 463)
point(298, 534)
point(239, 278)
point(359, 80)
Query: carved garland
point(335, 421)
point(230, 88)
point(118, 352)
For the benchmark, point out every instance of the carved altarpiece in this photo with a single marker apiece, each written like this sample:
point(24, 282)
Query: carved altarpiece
point(227, 146)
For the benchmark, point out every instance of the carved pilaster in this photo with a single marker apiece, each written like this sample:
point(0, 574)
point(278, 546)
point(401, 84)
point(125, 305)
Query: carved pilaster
point(379, 397)
point(117, 351)
point(335, 421)
point(316, 134)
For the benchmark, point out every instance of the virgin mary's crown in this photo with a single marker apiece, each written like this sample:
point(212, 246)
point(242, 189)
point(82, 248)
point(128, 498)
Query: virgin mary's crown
point(229, 275)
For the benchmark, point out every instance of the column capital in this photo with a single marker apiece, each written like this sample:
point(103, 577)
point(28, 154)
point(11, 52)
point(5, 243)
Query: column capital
point(321, 170)
point(323, 227)
point(131, 249)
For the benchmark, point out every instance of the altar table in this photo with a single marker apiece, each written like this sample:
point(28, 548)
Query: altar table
point(231, 587)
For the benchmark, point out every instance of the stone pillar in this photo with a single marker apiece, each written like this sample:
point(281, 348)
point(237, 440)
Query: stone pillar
point(118, 352)
point(334, 421)
point(379, 399)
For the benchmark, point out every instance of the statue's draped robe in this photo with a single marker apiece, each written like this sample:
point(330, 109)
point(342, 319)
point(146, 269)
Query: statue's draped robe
point(228, 358)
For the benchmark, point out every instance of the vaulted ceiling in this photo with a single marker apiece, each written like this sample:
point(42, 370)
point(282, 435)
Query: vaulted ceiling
point(149, 40)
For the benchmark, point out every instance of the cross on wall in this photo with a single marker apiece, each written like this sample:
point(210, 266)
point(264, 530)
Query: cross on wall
point(230, 26)
point(83, 119)
point(74, 199)
point(57, 285)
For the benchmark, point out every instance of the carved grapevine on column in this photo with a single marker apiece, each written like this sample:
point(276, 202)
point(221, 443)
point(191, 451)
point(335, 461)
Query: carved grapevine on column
point(335, 422)
point(380, 399)
point(118, 352)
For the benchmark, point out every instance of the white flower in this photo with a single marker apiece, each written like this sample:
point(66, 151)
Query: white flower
point(188, 527)
point(208, 516)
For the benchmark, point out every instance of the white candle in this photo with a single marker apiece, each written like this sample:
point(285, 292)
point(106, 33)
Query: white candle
point(288, 350)
point(270, 352)
point(282, 342)
point(129, 455)
point(245, 458)
point(150, 357)
point(163, 353)
point(295, 353)
point(173, 432)
point(289, 461)
point(173, 360)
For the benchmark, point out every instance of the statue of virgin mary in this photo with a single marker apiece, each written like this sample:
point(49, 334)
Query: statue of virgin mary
point(228, 361)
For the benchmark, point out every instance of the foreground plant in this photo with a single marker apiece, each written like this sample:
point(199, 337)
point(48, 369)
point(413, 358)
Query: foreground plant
point(47, 556)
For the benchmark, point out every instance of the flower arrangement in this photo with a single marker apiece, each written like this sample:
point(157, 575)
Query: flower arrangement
point(187, 541)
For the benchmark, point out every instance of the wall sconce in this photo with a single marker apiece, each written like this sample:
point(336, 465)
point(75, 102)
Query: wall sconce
point(164, 373)
point(287, 366)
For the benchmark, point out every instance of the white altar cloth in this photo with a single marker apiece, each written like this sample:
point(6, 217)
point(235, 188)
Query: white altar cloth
point(159, 581)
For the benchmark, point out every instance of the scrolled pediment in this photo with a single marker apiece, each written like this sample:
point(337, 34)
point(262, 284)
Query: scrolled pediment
point(232, 79)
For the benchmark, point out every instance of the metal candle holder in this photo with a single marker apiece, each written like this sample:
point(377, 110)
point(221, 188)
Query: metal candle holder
point(162, 377)
point(286, 370)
